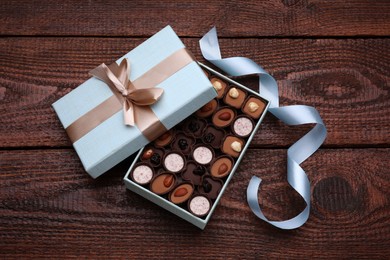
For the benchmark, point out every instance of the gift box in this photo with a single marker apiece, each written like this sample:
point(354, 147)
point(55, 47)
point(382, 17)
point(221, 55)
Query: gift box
point(129, 103)
point(187, 170)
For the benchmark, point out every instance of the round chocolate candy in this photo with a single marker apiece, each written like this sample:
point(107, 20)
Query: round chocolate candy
point(142, 173)
point(174, 162)
point(235, 97)
point(183, 143)
point(222, 166)
point(232, 146)
point(164, 139)
point(163, 183)
point(203, 154)
point(254, 107)
point(207, 109)
point(194, 172)
point(219, 86)
point(213, 136)
point(242, 126)
point(210, 187)
point(199, 205)
point(223, 117)
point(181, 193)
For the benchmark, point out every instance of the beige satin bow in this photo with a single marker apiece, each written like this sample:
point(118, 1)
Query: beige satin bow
point(117, 78)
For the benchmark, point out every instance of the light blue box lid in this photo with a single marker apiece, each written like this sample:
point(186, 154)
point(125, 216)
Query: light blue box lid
point(112, 141)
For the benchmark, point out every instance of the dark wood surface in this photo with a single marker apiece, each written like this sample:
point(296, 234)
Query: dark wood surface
point(333, 55)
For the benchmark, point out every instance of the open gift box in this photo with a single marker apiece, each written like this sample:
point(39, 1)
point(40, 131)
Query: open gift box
point(212, 120)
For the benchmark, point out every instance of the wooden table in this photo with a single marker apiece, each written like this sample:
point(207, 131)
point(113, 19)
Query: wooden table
point(333, 55)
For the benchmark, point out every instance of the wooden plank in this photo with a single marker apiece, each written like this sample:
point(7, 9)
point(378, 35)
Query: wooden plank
point(346, 80)
point(50, 207)
point(233, 18)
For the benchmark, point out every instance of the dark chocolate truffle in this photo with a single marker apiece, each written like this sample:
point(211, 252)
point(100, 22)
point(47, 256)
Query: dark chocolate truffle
point(235, 97)
point(232, 146)
point(163, 183)
point(222, 166)
point(183, 143)
point(195, 126)
point(213, 136)
point(223, 117)
point(194, 172)
point(207, 109)
point(210, 187)
point(199, 205)
point(181, 193)
point(254, 107)
point(153, 155)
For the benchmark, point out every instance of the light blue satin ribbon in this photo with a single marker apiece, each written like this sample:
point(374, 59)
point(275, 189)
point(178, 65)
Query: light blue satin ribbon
point(290, 115)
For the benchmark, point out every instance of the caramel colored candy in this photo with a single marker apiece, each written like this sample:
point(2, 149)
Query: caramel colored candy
point(233, 93)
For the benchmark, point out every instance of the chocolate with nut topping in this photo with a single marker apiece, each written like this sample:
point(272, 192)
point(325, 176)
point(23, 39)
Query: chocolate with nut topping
point(234, 97)
point(222, 166)
point(163, 183)
point(208, 109)
point(232, 146)
point(181, 193)
point(223, 117)
point(254, 107)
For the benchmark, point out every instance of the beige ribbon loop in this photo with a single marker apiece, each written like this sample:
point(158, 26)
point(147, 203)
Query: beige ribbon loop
point(119, 81)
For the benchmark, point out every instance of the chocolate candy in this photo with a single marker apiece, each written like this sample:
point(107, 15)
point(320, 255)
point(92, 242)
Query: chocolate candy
point(153, 155)
point(213, 136)
point(222, 166)
point(181, 193)
point(194, 172)
point(235, 97)
point(219, 86)
point(164, 139)
point(242, 126)
point(210, 187)
point(254, 107)
point(163, 183)
point(199, 205)
point(189, 164)
point(223, 117)
point(142, 174)
point(203, 154)
point(195, 126)
point(183, 143)
point(174, 162)
point(232, 146)
point(207, 109)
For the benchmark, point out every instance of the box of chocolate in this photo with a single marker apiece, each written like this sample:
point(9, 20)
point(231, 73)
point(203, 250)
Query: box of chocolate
point(129, 103)
point(187, 169)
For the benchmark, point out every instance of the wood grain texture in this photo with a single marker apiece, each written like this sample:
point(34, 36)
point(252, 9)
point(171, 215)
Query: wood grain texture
point(50, 207)
point(233, 18)
point(346, 80)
